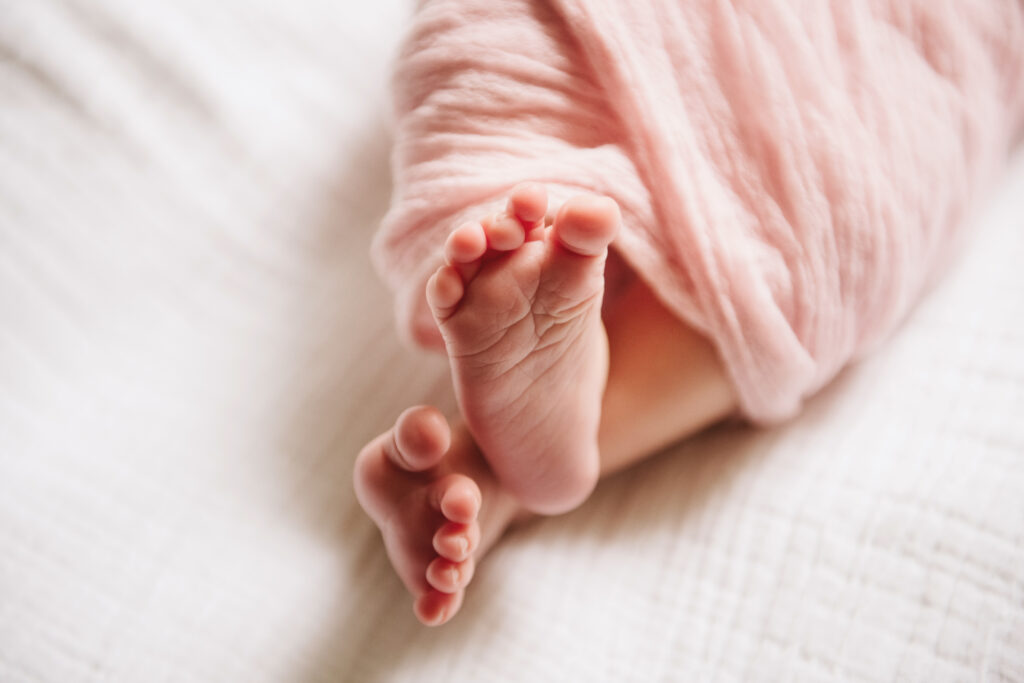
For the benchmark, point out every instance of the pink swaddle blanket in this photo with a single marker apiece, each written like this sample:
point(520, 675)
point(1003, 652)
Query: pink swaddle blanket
point(791, 173)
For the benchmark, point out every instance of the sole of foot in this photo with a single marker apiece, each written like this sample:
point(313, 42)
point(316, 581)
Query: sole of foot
point(437, 505)
point(518, 303)
point(427, 512)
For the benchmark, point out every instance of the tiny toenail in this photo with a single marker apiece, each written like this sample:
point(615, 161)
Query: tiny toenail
point(463, 544)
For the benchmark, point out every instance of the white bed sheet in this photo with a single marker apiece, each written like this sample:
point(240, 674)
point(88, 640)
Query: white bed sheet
point(193, 348)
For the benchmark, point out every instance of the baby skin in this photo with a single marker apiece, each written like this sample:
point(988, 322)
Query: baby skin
point(553, 393)
point(518, 304)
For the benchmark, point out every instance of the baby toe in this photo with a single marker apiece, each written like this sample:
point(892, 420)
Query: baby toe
point(457, 497)
point(528, 202)
point(465, 244)
point(504, 232)
point(455, 541)
point(449, 577)
point(434, 608)
point(444, 291)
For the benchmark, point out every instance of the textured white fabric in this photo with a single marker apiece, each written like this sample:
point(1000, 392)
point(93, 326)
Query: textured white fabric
point(192, 349)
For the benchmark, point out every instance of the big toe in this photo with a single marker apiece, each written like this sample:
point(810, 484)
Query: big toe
point(587, 224)
point(419, 440)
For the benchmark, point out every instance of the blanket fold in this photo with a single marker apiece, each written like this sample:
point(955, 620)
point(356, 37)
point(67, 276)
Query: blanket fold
point(792, 175)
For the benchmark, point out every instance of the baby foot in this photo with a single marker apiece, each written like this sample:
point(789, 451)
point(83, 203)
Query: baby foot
point(519, 306)
point(406, 480)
